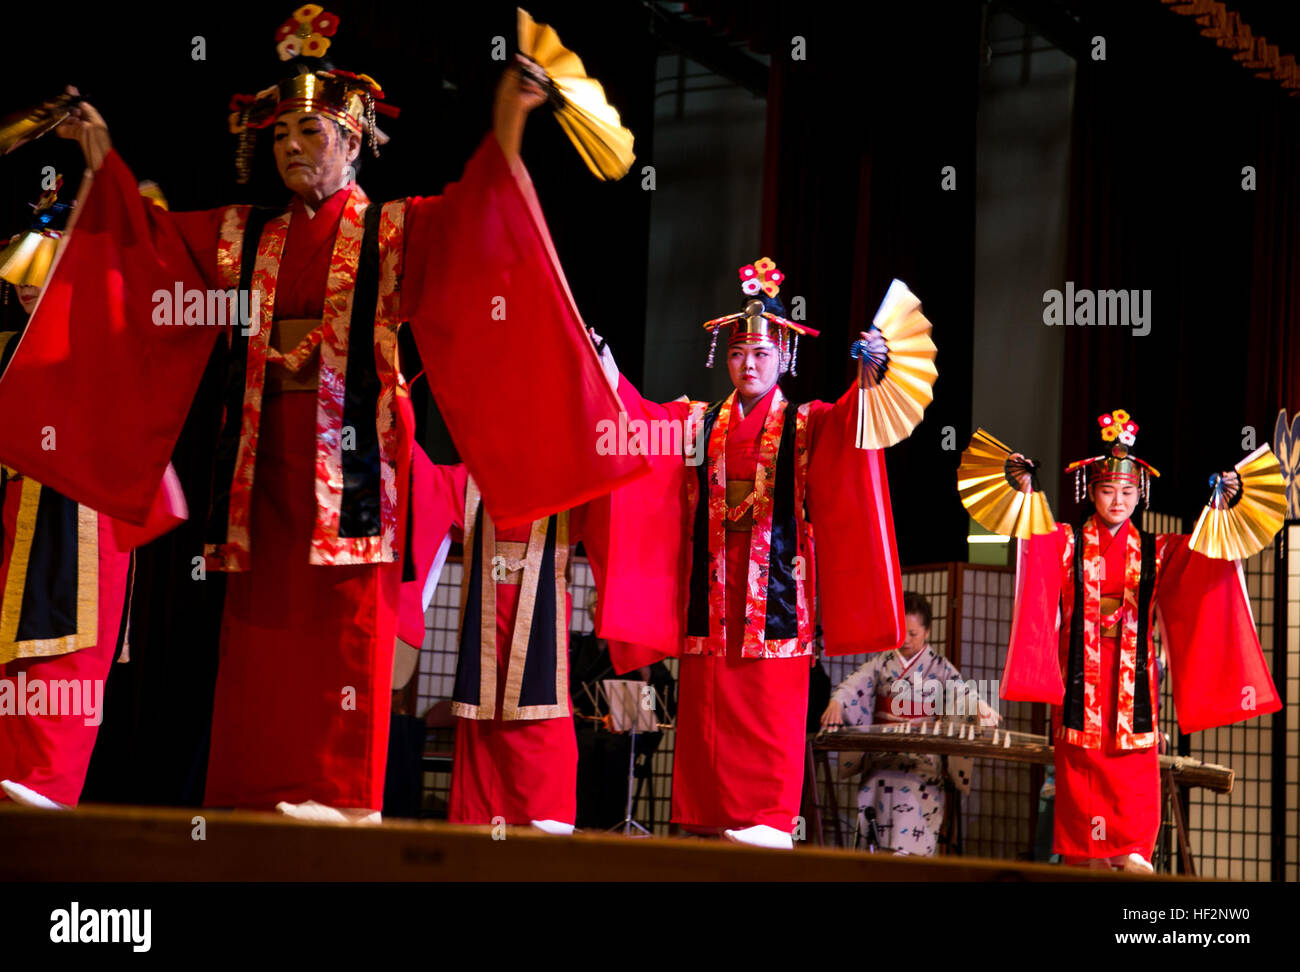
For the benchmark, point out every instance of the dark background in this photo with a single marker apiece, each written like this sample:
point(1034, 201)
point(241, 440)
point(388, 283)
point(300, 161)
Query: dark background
point(856, 138)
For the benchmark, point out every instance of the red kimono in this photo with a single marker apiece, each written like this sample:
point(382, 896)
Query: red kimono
point(516, 756)
point(63, 586)
point(60, 610)
point(735, 593)
point(1101, 679)
point(312, 465)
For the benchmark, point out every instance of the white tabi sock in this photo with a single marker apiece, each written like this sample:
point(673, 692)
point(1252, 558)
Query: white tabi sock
point(553, 827)
point(28, 797)
point(761, 836)
point(319, 812)
point(1133, 863)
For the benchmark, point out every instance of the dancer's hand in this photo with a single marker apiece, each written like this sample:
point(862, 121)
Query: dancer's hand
point(1019, 472)
point(517, 95)
point(1231, 483)
point(86, 126)
point(606, 358)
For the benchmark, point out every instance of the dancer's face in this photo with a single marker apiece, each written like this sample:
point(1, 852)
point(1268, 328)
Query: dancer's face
point(1115, 502)
point(753, 368)
point(312, 152)
point(27, 297)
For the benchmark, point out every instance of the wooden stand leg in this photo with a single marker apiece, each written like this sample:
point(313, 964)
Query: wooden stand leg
point(812, 811)
point(832, 800)
point(1180, 825)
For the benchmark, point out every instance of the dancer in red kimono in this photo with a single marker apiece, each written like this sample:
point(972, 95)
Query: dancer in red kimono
point(516, 757)
point(1096, 663)
point(713, 559)
point(63, 589)
point(313, 455)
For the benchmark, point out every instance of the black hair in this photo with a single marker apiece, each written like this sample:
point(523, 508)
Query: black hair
point(344, 132)
point(914, 603)
point(773, 305)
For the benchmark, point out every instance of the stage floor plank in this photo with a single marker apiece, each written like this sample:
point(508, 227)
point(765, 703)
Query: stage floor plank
point(116, 843)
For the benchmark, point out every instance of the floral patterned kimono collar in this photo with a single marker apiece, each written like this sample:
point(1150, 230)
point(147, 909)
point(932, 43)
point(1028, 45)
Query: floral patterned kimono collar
point(769, 559)
point(356, 489)
point(1081, 716)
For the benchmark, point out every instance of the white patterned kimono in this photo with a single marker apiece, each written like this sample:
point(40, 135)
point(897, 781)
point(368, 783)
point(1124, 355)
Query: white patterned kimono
point(906, 790)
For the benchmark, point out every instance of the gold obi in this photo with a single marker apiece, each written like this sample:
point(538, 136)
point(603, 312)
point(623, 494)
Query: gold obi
point(296, 339)
point(510, 569)
point(1110, 605)
point(738, 491)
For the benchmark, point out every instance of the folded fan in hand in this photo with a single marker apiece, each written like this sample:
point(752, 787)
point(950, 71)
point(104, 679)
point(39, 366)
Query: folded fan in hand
point(991, 495)
point(894, 390)
point(26, 126)
point(1232, 529)
point(591, 123)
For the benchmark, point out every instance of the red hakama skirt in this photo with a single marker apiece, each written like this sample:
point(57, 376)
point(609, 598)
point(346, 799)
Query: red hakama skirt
point(51, 753)
point(304, 683)
point(520, 770)
point(1107, 799)
point(741, 727)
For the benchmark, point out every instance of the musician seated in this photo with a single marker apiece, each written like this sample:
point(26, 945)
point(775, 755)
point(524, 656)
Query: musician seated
point(901, 800)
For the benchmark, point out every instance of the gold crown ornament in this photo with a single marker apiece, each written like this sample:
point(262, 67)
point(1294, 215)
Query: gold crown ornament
point(352, 100)
point(1119, 465)
point(759, 323)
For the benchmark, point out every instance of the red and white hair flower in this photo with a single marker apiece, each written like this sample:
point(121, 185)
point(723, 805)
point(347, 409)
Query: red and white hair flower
point(307, 32)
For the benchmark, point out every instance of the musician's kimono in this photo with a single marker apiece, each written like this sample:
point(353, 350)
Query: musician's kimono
point(905, 790)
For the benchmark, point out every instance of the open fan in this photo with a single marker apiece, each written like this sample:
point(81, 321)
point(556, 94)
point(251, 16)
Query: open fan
point(894, 387)
point(987, 484)
point(1232, 528)
point(26, 126)
point(26, 261)
point(591, 123)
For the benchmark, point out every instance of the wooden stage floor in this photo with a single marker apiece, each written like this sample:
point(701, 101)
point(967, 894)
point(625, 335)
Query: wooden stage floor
point(113, 843)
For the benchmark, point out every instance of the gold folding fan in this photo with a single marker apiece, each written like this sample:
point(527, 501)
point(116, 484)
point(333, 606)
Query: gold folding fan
point(987, 485)
point(26, 261)
point(591, 123)
point(1241, 526)
point(894, 390)
point(30, 124)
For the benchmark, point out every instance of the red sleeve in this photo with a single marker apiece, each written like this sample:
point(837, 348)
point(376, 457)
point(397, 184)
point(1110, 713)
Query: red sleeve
point(638, 540)
point(97, 392)
point(858, 574)
point(515, 375)
point(1217, 667)
point(1033, 669)
point(437, 505)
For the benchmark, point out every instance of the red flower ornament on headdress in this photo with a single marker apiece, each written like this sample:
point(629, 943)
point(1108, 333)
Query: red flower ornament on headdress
point(306, 33)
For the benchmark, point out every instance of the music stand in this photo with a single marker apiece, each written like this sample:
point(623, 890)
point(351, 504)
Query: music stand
point(623, 697)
